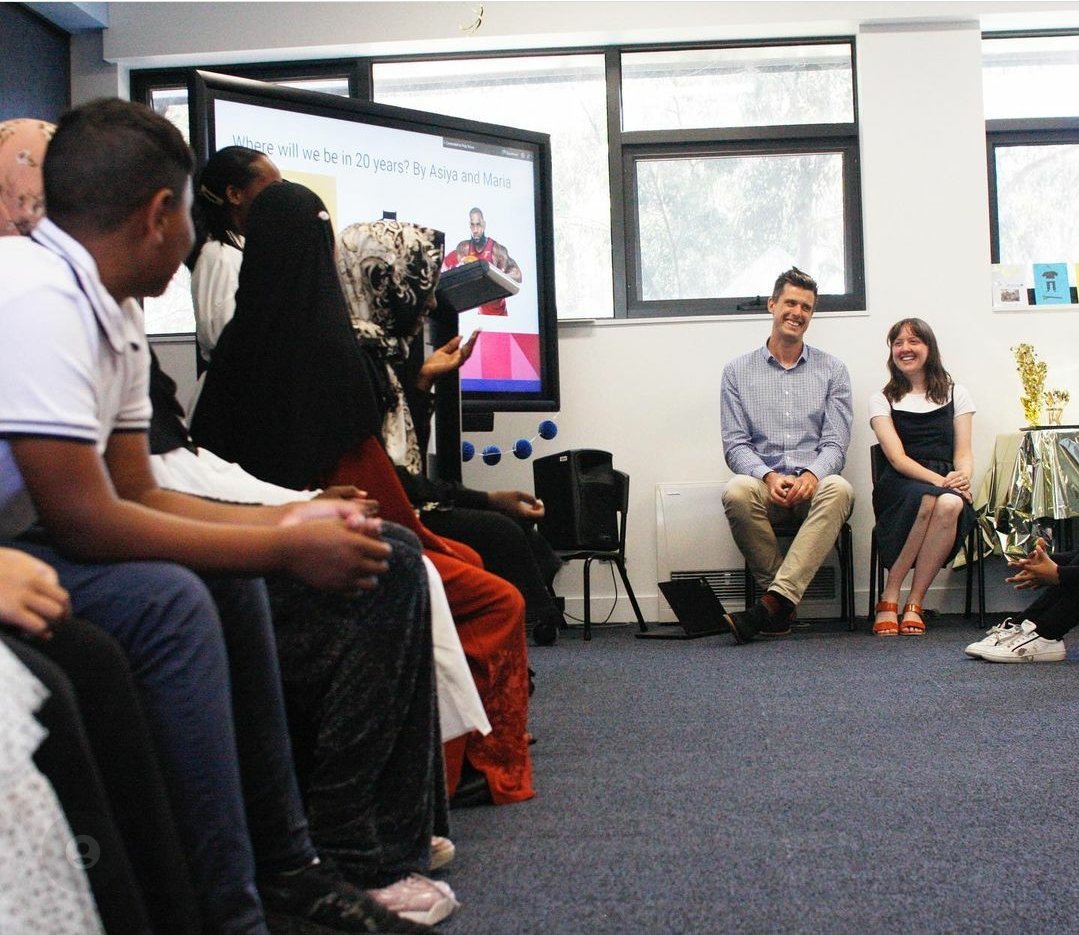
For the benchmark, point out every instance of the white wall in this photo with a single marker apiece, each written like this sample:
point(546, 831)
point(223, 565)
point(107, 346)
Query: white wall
point(648, 391)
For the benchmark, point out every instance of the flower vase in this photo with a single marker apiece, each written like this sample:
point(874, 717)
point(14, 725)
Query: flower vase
point(1054, 415)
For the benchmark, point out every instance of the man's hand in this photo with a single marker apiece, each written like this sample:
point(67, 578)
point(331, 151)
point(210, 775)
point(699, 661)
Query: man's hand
point(334, 556)
point(30, 594)
point(446, 359)
point(352, 494)
point(788, 490)
point(517, 504)
point(1037, 570)
point(802, 488)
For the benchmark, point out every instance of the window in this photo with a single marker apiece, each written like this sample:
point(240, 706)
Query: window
point(1032, 134)
point(685, 178)
point(564, 96)
point(737, 164)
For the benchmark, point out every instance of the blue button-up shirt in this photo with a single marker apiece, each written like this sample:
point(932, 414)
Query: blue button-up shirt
point(774, 419)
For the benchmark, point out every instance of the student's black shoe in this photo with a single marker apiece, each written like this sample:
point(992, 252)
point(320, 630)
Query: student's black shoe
point(319, 894)
point(472, 790)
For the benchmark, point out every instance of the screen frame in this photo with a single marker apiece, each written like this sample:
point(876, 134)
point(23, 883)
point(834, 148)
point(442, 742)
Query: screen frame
point(205, 87)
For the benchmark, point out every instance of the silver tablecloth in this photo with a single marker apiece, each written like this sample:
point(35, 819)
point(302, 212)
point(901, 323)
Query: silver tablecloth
point(1033, 480)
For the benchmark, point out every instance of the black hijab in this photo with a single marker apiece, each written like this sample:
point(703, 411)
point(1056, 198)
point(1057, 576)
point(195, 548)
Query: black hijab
point(288, 391)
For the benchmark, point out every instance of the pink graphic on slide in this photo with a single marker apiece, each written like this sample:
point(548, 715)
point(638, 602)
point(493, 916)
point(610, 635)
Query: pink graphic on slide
point(504, 357)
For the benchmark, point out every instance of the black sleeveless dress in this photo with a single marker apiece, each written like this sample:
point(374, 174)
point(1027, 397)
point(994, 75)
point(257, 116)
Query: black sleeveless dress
point(928, 438)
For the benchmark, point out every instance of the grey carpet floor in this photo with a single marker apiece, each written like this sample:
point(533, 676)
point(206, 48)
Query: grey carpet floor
point(831, 782)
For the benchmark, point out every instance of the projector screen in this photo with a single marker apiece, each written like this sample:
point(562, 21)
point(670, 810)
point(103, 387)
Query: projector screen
point(487, 188)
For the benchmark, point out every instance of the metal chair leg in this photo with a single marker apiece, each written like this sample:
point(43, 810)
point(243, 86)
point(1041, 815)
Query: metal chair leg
point(632, 597)
point(587, 599)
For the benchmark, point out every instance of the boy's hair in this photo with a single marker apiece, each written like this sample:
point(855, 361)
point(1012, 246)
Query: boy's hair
point(794, 277)
point(106, 159)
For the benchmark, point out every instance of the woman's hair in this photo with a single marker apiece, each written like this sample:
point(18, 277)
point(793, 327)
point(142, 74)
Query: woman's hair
point(938, 383)
point(232, 166)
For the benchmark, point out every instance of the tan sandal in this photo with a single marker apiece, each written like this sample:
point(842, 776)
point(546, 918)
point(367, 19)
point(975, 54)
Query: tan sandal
point(886, 627)
point(912, 626)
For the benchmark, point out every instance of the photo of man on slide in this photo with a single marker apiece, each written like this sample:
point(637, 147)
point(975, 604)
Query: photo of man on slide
point(482, 247)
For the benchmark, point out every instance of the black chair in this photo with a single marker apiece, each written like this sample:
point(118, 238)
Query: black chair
point(844, 546)
point(615, 492)
point(973, 552)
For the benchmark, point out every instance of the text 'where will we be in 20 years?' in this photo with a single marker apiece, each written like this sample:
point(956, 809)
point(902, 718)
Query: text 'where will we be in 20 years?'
point(362, 161)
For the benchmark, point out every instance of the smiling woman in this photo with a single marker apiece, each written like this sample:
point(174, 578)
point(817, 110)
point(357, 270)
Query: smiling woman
point(922, 499)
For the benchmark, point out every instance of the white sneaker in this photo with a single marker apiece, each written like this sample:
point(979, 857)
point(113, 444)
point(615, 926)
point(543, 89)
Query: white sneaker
point(1026, 646)
point(442, 852)
point(418, 899)
point(993, 637)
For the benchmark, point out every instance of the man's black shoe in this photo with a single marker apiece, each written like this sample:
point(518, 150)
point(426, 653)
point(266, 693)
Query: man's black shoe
point(319, 894)
point(779, 625)
point(747, 624)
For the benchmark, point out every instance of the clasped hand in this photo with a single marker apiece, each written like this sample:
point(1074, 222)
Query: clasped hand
point(1037, 570)
point(959, 482)
point(788, 490)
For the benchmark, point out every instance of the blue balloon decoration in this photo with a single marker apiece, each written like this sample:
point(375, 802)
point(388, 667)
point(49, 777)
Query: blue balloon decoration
point(468, 451)
point(522, 448)
point(547, 429)
point(491, 455)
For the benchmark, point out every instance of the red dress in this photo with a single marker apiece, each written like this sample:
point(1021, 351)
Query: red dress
point(490, 617)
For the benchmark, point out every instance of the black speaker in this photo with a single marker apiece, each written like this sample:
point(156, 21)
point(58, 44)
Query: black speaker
point(581, 492)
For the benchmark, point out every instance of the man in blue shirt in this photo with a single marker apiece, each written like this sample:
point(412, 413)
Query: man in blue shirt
point(786, 417)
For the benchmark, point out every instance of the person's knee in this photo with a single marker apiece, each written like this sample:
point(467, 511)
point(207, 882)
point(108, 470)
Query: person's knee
point(741, 491)
point(949, 506)
point(838, 492)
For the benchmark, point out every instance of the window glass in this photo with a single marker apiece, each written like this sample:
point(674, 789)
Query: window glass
point(744, 87)
point(1038, 203)
point(564, 96)
point(1034, 76)
point(726, 225)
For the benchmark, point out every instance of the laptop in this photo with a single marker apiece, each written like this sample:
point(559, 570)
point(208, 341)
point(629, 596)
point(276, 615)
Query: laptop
point(699, 611)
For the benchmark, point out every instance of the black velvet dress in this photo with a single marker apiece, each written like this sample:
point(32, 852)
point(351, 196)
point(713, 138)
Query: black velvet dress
point(928, 438)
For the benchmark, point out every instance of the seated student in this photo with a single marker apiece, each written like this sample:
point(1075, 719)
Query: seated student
point(1039, 636)
point(786, 413)
point(226, 186)
point(41, 888)
point(85, 669)
point(73, 417)
point(388, 300)
point(921, 500)
point(289, 396)
point(357, 688)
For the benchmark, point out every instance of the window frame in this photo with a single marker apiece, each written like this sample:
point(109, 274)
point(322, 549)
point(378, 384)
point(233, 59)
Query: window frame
point(1021, 131)
point(624, 149)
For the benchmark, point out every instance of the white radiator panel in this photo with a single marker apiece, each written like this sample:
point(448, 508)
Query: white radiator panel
point(694, 539)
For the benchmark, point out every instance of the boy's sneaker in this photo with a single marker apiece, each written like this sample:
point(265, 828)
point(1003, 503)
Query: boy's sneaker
point(1026, 646)
point(994, 636)
point(418, 899)
point(320, 895)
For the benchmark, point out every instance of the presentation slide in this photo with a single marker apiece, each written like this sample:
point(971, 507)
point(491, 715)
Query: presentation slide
point(481, 196)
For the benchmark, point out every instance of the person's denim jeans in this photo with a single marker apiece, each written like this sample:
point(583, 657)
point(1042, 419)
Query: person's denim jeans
point(184, 661)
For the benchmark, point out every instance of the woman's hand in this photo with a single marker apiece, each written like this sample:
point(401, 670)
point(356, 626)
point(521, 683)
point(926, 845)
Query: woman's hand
point(446, 359)
point(516, 504)
point(959, 482)
point(1037, 570)
point(31, 597)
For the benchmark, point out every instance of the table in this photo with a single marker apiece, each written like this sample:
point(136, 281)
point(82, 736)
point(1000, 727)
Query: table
point(1030, 488)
